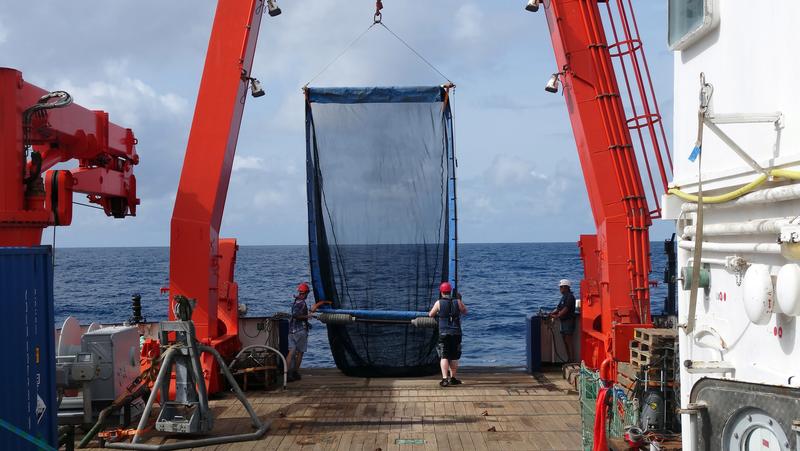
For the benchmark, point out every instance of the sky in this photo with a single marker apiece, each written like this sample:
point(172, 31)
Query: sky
point(519, 175)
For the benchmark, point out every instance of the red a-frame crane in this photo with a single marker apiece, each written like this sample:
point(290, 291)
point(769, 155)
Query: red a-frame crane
point(615, 289)
point(614, 151)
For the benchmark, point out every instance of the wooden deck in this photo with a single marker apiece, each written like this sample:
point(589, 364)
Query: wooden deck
point(495, 409)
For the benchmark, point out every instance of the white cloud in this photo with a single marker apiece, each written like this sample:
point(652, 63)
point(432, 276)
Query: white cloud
point(512, 183)
point(509, 171)
point(269, 198)
point(174, 103)
point(244, 162)
point(128, 100)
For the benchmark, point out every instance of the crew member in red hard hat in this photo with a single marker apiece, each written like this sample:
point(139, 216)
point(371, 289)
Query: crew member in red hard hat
point(298, 332)
point(565, 312)
point(449, 308)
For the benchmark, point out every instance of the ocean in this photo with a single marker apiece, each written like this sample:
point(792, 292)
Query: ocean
point(501, 285)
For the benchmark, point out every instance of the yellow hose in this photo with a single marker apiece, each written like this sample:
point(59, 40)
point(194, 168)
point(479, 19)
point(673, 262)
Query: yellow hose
point(783, 173)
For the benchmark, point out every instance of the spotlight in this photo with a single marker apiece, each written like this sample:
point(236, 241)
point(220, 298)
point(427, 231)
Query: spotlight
point(532, 6)
point(255, 88)
point(273, 9)
point(552, 83)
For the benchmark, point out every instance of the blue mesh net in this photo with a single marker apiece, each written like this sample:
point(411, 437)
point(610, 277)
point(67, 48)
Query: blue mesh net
point(381, 208)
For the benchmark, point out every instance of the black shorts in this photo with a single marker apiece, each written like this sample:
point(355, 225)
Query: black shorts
point(449, 347)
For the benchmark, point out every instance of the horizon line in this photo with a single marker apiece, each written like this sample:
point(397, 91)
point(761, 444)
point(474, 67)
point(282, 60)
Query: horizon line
point(295, 245)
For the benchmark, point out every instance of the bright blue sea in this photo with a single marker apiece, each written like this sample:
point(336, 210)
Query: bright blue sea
point(501, 284)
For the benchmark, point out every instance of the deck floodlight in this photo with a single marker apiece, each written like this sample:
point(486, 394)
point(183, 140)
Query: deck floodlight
point(273, 9)
point(552, 83)
point(532, 6)
point(255, 88)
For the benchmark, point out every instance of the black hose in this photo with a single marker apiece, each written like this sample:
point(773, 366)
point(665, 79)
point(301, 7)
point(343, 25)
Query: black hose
point(555, 343)
point(62, 99)
point(101, 418)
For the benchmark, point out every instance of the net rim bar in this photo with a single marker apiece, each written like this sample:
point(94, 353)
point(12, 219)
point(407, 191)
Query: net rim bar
point(377, 314)
point(377, 94)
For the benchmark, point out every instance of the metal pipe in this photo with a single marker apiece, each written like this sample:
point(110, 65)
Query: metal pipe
point(285, 366)
point(768, 195)
point(747, 118)
point(236, 390)
point(197, 373)
point(732, 248)
point(735, 147)
point(760, 226)
point(262, 426)
point(391, 315)
point(101, 419)
point(710, 261)
point(194, 443)
point(164, 371)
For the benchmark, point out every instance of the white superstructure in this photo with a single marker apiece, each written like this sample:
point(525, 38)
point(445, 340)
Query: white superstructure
point(740, 376)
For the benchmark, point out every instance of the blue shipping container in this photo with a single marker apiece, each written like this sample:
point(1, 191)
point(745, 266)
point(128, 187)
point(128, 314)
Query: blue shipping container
point(28, 410)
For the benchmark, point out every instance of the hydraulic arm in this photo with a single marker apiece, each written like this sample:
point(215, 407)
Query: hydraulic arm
point(201, 264)
point(615, 289)
point(39, 129)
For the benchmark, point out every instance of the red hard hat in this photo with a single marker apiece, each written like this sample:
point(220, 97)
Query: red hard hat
point(303, 288)
point(445, 287)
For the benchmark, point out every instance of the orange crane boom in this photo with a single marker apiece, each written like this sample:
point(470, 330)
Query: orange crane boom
point(200, 263)
point(39, 129)
point(615, 289)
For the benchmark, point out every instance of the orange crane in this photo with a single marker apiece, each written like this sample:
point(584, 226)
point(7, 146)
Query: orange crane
point(39, 129)
point(615, 148)
point(201, 265)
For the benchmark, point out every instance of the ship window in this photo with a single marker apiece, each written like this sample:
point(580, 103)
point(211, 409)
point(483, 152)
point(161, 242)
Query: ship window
point(762, 438)
point(689, 20)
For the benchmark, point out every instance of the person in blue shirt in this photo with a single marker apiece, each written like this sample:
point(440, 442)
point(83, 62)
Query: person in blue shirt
point(448, 309)
point(298, 332)
point(565, 312)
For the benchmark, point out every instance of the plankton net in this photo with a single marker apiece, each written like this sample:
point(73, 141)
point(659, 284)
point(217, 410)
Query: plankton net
point(382, 220)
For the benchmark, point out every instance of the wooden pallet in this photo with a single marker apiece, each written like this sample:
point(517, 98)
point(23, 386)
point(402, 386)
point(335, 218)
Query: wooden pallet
point(651, 345)
point(644, 358)
point(652, 336)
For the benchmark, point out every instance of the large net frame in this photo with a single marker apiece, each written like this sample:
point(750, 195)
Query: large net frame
point(381, 209)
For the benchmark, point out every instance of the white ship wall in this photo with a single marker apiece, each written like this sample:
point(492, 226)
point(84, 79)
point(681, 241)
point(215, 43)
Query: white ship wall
point(753, 61)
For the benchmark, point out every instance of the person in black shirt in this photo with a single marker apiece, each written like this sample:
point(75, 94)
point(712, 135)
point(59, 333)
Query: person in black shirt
point(565, 312)
point(448, 309)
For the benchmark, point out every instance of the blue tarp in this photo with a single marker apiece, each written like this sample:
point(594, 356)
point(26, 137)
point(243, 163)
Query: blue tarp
point(391, 94)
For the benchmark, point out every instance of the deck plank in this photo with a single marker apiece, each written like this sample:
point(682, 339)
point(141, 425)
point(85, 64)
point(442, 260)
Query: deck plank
point(330, 411)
